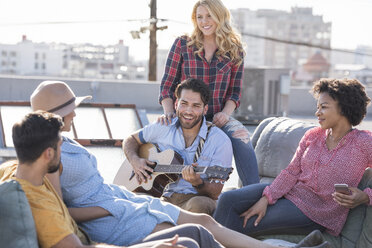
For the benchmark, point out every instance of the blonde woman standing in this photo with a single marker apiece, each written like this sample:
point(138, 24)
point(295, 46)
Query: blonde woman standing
point(213, 53)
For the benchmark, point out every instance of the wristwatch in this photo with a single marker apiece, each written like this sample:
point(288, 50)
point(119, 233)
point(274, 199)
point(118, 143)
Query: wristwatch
point(199, 186)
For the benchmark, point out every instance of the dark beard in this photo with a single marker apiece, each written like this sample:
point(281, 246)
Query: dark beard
point(192, 125)
point(53, 167)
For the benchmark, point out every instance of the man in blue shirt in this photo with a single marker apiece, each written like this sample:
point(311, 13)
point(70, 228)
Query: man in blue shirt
point(193, 192)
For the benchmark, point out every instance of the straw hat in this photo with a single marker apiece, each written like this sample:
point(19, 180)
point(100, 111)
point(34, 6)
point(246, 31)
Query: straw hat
point(55, 97)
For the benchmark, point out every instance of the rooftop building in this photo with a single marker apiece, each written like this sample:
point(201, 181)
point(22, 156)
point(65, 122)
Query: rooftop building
point(29, 58)
point(69, 60)
point(299, 25)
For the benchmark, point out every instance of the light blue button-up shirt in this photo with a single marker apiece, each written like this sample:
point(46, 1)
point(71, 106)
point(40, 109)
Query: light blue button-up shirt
point(217, 149)
point(133, 216)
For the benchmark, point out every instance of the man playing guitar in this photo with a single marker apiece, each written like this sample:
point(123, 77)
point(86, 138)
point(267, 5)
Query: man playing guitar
point(199, 144)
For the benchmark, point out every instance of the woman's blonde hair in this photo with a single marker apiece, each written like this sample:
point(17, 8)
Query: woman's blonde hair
point(227, 39)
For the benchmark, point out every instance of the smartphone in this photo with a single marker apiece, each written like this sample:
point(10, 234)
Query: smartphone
point(342, 188)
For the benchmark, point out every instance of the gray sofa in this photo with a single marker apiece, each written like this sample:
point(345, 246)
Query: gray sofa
point(275, 141)
point(17, 227)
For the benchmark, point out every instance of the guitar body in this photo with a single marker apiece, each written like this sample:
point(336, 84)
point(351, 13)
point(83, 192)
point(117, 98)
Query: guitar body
point(156, 185)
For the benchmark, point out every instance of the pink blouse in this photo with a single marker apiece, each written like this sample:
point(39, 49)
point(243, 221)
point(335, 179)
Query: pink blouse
point(309, 179)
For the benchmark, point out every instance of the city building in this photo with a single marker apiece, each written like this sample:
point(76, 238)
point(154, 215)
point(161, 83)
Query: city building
point(363, 55)
point(98, 61)
point(339, 57)
point(317, 66)
point(358, 71)
point(70, 60)
point(162, 55)
point(353, 64)
point(29, 58)
point(247, 22)
point(300, 25)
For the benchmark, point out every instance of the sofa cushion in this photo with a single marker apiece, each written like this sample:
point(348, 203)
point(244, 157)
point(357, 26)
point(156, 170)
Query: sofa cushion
point(275, 141)
point(365, 238)
point(17, 227)
point(357, 229)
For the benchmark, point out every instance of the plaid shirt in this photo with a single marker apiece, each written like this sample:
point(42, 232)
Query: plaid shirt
point(223, 77)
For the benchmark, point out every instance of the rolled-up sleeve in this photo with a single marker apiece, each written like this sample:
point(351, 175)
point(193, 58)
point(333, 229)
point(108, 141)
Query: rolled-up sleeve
point(172, 73)
point(235, 84)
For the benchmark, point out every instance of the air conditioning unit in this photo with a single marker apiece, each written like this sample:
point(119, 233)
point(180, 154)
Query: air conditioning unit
point(264, 94)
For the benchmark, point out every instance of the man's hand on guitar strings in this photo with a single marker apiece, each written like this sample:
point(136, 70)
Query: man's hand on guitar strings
point(189, 175)
point(141, 169)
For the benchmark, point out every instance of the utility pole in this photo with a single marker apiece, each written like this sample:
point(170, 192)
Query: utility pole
point(153, 45)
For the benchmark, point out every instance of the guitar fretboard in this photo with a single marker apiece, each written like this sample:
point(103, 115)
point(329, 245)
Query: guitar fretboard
point(175, 168)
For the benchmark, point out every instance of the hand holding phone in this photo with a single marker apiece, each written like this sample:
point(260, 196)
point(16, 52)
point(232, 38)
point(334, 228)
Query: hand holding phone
point(342, 188)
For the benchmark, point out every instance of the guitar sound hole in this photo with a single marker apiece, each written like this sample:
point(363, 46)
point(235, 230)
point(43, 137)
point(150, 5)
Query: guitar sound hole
point(158, 185)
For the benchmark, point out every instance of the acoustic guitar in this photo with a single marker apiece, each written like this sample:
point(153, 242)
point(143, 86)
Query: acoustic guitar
point(168, 165)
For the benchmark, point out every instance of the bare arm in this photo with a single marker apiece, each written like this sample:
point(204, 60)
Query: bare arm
point(131, 145)
point(140, 165)
point(78, 214)
point(221, 118)
point(229, 108)
point(168, 108)
point(167, 105)
point(88, 213)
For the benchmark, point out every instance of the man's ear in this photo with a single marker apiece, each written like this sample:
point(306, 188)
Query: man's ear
point(176, 103)
point(48, 153)
point(205, 109)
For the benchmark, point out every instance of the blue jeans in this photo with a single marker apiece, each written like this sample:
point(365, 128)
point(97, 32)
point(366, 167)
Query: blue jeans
point(245, 158)
point(281, 218)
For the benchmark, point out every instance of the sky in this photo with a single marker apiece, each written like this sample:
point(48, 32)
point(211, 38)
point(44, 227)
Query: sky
point(109, 21)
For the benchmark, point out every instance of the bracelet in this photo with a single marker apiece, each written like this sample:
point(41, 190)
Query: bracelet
point(199, 186)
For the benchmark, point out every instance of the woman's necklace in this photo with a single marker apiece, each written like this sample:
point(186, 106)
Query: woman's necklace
point(336, 140)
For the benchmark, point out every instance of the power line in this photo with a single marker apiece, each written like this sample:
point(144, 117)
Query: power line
point(68, 22)
point(299, 43)
point(88, 21)
point(296, 43)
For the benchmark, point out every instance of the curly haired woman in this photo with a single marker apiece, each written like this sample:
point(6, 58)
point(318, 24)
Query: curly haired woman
point(302, 197)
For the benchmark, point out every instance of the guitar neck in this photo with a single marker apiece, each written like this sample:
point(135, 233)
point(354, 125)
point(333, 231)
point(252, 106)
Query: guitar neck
point(175, 168)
